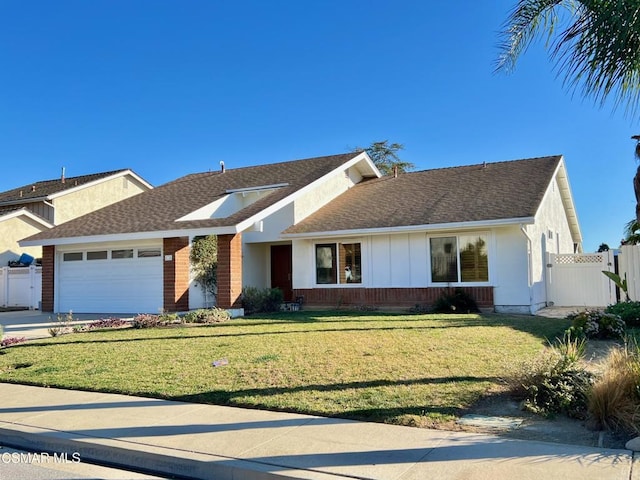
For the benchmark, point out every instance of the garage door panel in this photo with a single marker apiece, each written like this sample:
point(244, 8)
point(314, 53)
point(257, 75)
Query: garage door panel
point(129, 285)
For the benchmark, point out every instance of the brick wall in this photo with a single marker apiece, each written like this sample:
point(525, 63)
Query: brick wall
point(390, 297)
point(48, 277)
point(229, 270)
point(176, 274)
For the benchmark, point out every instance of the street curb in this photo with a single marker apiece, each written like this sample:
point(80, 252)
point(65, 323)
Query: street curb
point(149, 459)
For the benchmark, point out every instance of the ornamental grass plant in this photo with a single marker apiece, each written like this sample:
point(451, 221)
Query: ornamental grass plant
point(614, 400)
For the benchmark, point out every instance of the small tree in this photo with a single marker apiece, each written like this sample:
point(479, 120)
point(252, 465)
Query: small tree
point(603, 248)
point(204, 261)
point(385, 156)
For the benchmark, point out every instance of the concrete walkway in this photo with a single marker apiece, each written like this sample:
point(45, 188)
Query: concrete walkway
point(207, 442)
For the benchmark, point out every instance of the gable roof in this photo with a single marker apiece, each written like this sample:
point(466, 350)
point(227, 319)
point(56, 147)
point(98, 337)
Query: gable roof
point(490, 192)
point(9, 212)
point(48, 189)
point(161, 210)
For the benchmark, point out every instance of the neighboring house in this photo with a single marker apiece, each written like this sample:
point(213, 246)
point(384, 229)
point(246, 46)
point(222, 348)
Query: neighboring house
point(37, 207)
point(329, 229)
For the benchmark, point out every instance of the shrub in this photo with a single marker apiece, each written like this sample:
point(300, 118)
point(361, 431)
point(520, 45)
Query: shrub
point(614, 401)
point(256, 300)
point(104, 323)
point(207, 315)
point(204, 260)
point(457, 301)
point(596, 324)
point(7, 342)
point(627, 311)
point(145, 320)
point(63, 324)
point(555, 382)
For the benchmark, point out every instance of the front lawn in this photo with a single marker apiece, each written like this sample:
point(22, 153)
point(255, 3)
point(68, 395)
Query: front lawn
point(409, 369)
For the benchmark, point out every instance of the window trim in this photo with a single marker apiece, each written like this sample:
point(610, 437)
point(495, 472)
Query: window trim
point(89, 252)
point(67, 256)
point(336, 246)
point(490, 254)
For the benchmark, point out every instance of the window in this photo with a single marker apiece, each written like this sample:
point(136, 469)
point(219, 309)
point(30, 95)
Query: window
point(338, 263)
point(148, 252)
point(102, 255)
point(72, 256)
point(128, 253)
point(462, 258)
point(325, 264)
point(350, 263)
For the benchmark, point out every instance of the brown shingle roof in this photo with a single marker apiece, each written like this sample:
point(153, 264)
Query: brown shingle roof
point(492, 191)
point(43, 189)
point(158, 209)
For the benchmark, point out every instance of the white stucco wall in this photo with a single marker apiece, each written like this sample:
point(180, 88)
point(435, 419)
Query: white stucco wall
point(256, 265)
point(85, 200)
point(511, 292)
point(549, 234)
point(272, 226)
point(333, 187)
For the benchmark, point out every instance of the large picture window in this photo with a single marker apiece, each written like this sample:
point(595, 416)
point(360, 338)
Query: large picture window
point(459, 259)
point(338, 263)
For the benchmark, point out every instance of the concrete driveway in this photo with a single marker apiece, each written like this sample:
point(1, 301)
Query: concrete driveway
point(35, 324)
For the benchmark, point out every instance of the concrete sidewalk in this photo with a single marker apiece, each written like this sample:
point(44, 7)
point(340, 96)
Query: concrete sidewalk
point(206, 441)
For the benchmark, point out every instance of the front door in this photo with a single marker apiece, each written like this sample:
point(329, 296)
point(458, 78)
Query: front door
point(281, 270)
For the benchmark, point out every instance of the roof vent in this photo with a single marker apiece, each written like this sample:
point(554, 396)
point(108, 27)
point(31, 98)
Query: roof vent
point(62, 176)
point(20, 193)
point(221, 166)
point(33, 188)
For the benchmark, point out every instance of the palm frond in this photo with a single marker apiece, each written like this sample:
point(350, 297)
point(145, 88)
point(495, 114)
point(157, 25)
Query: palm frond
point(597, 51)
point(525, 22)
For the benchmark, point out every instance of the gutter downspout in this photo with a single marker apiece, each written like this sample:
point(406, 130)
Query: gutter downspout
point(529, 265)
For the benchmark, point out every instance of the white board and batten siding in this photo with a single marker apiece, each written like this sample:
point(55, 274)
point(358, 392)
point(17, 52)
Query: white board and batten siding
point(131, 284)
point(576, 280)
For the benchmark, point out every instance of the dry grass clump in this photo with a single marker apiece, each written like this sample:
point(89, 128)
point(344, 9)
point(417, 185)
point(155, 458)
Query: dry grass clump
point(614, 401)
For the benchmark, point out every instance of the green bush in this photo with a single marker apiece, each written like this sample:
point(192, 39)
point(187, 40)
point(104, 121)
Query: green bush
point(596, 324)
point(457, 301)
point(627, 311)
point(207, 315)
point(555, 382)
point(256, 300)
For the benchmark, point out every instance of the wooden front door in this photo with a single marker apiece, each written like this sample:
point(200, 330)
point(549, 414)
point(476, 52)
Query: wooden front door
point(281, 270)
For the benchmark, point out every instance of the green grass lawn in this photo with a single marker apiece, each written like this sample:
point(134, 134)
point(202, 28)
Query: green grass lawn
point(396, 368)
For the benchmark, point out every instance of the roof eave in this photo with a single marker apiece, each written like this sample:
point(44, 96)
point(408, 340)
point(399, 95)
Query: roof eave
point(24, 201)
point(120, 237)
point(414, 228)
point(567, 201)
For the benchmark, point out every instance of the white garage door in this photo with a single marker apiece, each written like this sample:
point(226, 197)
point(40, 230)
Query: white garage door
point(124, 280)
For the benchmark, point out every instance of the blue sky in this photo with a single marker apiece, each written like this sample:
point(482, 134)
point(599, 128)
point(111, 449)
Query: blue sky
point(168, 88)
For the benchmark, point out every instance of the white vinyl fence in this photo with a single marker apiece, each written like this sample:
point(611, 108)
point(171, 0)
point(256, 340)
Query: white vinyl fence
point(21, 287)
point(576, 280)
